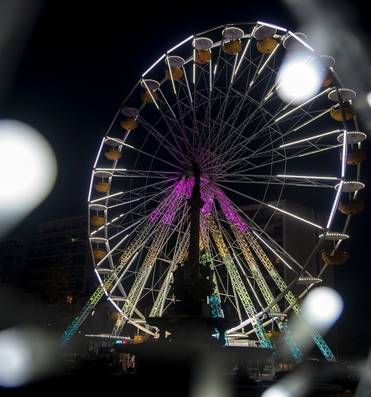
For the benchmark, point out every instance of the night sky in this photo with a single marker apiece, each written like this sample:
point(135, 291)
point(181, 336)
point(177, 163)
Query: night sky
point(82, 58)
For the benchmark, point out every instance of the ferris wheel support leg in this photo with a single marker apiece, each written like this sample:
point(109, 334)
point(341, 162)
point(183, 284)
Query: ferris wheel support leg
point(107, 285)
point(289, 296)
point(181, 252)
point(131, 299)
point(266, 292)
point(291, 342)
point(158, 306)
point(141, 279)
point(247, 303)
point(81, 317)
point(119, 325)
point(238, 284)
point(89, 306)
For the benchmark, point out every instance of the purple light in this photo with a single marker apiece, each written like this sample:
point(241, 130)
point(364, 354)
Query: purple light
point(170, 203)
point(229, 212)
point(183, 189)
point(207, 196)
point(175, 198)
point(154, 215)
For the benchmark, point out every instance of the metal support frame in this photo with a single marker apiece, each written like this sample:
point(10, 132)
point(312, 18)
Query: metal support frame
point(236, 280)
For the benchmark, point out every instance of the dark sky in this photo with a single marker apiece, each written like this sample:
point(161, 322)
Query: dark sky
point(81, 59)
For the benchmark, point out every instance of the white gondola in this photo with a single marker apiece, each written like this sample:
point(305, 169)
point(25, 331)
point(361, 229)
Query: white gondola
point(346, 95)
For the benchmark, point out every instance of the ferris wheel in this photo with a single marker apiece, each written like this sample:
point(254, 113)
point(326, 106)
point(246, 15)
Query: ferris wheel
point(214, 99)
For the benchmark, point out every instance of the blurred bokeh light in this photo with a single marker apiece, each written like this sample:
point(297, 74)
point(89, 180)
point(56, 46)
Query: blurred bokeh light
point(298, 79)
point(28, 170)
point(322, 307)
point(26, 354)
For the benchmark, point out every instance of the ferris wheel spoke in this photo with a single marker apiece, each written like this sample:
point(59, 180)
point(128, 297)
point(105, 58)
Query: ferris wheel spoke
point(244, 141)
point(309, 180)
point(152, 156)
point(189, 92)
point(186, 111)
point(272, 120)
point(252, 236)
point(240, 219)
point(113, 223)
point(144, 235)
point(174, 147)
point(166, 174)
point(110, 251)
point(278, 152)
point(232, 152)
point(119, 278)
point(141, 189)
point(246, 96)
point(176, 121)
point(222, 141)
point(280, 117)
point(277, 250)
point(295, 129)
point(298, 118)
point(141, 175)
point(134, 173)
point(309, 139)
point(156, 198)
point(285, 159)
point(275, 208)
point(166, 117)
point(238, 165)
point(264, 65)
point(219, 120)
point(171, 149)
point(277, 182)
point(138, 195)
point(223, 106)
point(232, 298)
point(246, 47)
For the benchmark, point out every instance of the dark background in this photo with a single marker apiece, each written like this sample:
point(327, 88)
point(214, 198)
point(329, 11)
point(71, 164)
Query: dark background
point(79, 61)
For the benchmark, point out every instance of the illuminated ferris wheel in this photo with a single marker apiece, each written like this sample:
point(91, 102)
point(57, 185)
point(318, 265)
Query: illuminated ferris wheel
point(218, 98)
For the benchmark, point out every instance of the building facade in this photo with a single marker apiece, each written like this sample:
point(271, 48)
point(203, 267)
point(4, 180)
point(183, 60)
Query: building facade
point(59, 264)
point(13, 257)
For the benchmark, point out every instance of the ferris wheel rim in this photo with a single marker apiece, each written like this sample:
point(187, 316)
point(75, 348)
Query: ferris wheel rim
point(154, 85)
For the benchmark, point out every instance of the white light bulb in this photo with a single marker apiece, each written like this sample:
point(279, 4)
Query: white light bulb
point(298, 80)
